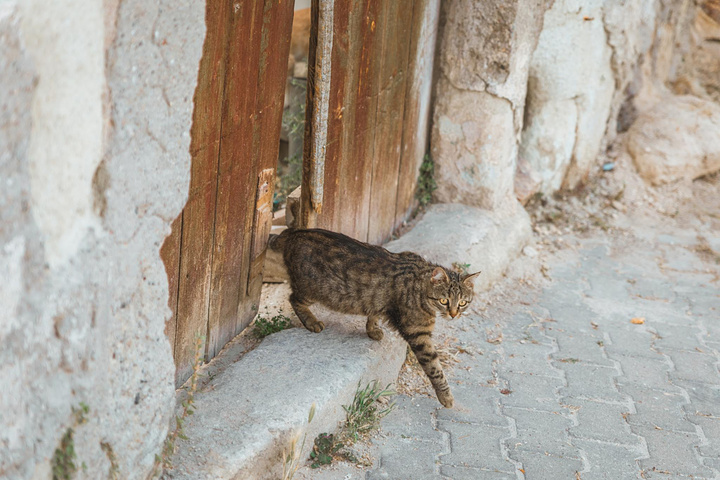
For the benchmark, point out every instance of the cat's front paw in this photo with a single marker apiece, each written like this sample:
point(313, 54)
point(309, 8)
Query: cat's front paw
point(376, 334)
point(446, 399)
point(315, 327)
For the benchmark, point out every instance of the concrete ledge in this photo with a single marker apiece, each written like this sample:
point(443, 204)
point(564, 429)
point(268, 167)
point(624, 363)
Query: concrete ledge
point(250, 411)
point(451, 232)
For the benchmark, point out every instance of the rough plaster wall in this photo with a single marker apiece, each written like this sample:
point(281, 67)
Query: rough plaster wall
point(570, 87)
point(94, 161)
point(485, 51)
point(598, 65)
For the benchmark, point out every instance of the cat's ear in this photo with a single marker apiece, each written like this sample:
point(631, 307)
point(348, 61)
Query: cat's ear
point(469, 280)
point(439, 275)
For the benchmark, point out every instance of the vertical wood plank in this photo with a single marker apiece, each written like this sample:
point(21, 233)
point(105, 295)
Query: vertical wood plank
point(272, 76)
point(395, 25)
point(235, 183)
point(170, 254)
point(199, 212)
point(262, 222)
point(257, 64)
point(417, 103)
point(337, 121)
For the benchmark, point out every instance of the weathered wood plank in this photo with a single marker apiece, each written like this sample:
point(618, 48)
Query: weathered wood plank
point(338, 121)
point(235, 190)
point(423, 38)
point(199, 212)
point(272, 75)
point(395, 24)
point(170, 254)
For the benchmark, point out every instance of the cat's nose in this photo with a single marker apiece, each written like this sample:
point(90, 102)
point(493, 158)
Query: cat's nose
point(454, 313)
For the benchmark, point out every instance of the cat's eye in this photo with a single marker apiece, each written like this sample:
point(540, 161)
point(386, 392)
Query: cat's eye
point(444, 301)
point(462, 303)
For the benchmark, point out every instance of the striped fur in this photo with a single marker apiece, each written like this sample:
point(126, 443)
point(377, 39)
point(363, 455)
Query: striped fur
point(357, 278)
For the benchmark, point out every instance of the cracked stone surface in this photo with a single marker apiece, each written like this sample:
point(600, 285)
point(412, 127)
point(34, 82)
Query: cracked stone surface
point(575, 390)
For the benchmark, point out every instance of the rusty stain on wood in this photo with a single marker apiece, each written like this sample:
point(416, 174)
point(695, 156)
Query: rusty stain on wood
point(170, 255)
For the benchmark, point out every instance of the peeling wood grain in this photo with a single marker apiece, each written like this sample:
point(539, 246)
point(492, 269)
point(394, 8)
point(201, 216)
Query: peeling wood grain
point(170, 255)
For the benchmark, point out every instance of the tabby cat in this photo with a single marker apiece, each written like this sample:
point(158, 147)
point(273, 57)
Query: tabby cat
point(357, 278)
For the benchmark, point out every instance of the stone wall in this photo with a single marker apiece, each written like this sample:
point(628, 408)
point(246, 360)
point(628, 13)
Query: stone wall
point(533, 93)
point(94, 165)
point(484, 54)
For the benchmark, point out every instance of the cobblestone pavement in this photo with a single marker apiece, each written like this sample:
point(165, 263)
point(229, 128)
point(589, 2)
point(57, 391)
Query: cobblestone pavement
point(574, 390)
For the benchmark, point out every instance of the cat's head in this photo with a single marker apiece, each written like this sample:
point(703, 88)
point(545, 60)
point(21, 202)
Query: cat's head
point(450, 293)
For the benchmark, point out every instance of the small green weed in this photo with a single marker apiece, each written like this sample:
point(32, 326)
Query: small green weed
point(325, 447)
point(461, 267)
point(63, 461)
point(426, 182)
point(264, 327)
point(363, 415)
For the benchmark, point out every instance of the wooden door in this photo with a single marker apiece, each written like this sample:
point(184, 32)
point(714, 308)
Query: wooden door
point(375, 130)
point(215, 253)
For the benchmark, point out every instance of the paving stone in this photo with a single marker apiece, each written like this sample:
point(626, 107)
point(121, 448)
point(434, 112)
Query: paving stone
point(608, 462)
point(652, 288)
point(712, 462)
point(590, 381)
point(694, 366)
point(475, 446)
point(528, 359)
point(656, 408)
point(474, 404)
point(645, 372)
point(539, 431)
point(704, 397)
point(532, 391)
point(705, 305)
point(711, 429)
point(673, 337)
point(569, 312)
point(474, 368)
point(601, 421)
point(466, 473)
point(412, 417)
point(672, 452)
point(681, 259)
point(406, 459)
point(631, 340)
point(582, 347)
point(539, 466)
point(608, 287)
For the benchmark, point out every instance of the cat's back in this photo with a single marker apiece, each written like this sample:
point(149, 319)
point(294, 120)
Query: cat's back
point(317, 240)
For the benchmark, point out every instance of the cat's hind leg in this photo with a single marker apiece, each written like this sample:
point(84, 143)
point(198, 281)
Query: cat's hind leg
point(303, 312)
point(373, 329)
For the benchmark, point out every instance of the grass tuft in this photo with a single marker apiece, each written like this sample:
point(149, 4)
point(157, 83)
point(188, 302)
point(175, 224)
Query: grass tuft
point(363, 414)
point(426, 182)
point(264, 327)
